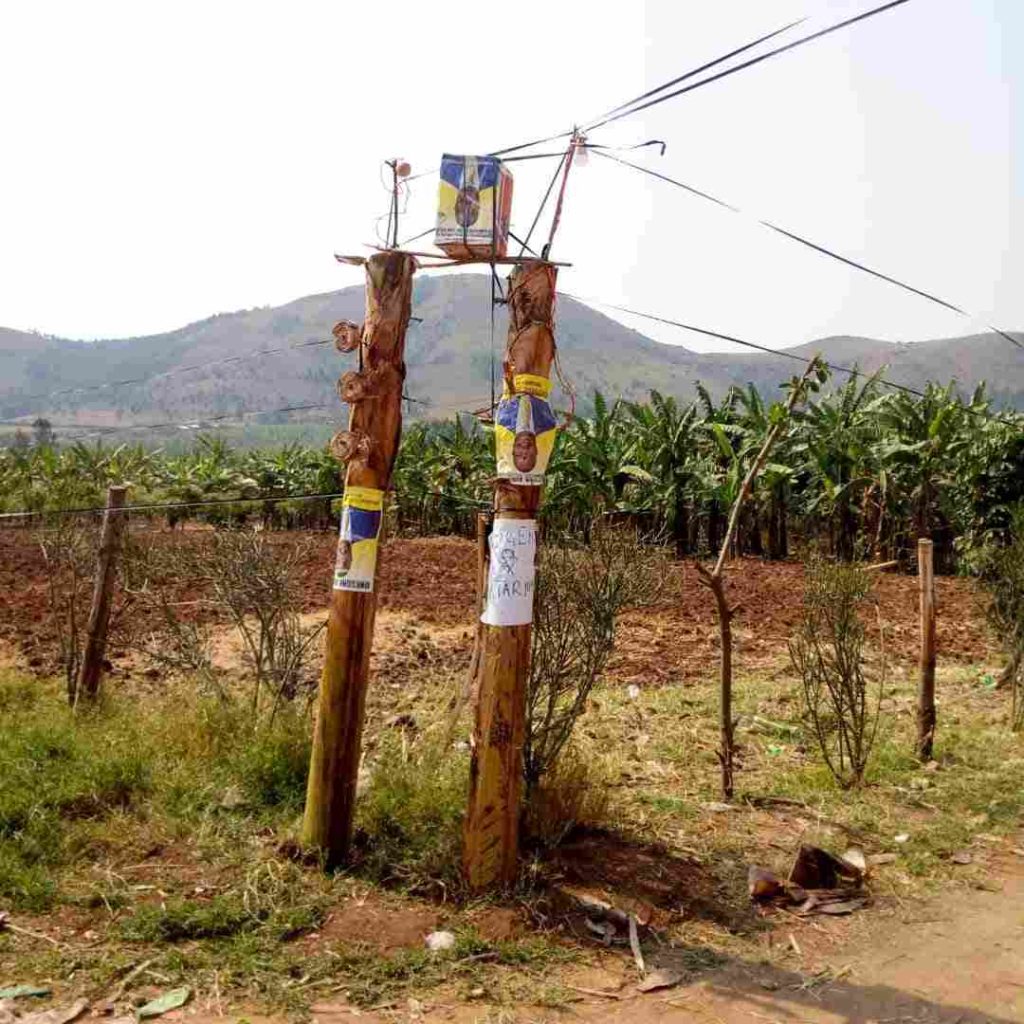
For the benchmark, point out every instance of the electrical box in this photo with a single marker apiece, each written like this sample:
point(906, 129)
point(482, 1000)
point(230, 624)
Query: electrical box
point(474, 204)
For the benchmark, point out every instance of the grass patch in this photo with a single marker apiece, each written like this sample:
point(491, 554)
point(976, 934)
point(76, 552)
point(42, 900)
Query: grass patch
point(410, 815)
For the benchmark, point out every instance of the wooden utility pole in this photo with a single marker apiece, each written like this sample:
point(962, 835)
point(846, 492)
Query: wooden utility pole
point(111, 540)
point(926, 698)
point(368, 447)
point(491, 829)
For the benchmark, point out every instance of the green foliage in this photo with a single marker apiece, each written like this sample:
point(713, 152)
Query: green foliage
point(56, 771)
point(829, 654)
point(864, 471)
point(410, 812)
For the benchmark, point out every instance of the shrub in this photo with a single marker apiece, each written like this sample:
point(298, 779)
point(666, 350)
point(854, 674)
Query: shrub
point(828, 653)
point(580, 592)
point(571, 794)
point(1002, 571)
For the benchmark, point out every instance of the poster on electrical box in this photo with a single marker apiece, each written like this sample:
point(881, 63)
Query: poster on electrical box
point(511, 577)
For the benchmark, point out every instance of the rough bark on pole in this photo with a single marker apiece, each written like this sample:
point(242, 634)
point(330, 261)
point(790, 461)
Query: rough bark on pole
point(491, 830)
point(926, 698)
point(368, 447)
point(111, 538)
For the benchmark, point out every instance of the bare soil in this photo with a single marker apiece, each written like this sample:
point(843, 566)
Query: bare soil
point(431, 582)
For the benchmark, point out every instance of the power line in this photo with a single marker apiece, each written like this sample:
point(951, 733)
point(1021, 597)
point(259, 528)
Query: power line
point(703, 67)
point(747, 63)
point(852, 371)
point(178, 369)
point(808, 243)
point(211, 502)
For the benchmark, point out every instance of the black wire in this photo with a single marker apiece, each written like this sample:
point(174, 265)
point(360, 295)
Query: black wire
point(525, 247)
point(809, 244)
point(703, 67)
point(749, 63)
point(527, 145)
point(543, 202)
point(852, 371)
point(169, 373)
point(263, 499)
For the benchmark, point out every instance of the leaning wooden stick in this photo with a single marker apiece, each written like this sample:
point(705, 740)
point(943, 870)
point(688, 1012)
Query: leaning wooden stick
point(926, 718)
point(714, 579)
point(111, 542)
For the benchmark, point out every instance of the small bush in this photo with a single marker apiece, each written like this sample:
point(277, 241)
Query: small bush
point(829, 655)
point(1002, 572)
point(580, 592)
point(570, 795)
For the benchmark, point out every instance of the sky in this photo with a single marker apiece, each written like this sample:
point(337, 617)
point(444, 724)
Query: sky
point(163, 162)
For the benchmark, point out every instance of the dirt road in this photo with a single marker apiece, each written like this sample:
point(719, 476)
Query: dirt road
point(955, 959)
point(958, 959)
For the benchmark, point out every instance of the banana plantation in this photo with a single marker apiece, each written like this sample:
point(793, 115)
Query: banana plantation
point(862, 472)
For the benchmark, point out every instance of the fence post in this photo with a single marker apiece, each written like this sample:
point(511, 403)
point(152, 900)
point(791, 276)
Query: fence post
point(926, 697)
point(368, 447)
point(111, 538)
point(491, 830)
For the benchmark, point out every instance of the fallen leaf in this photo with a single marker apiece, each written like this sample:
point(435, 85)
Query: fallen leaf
point(20, 991)
point(717, 807)
point(659, 978)
point(168, 1001)
point(58, 1015)
point(901, 838)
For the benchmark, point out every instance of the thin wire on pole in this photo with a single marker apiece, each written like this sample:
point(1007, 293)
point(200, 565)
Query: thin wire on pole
point(793, 236)
point(748, 63)
point(783, 353)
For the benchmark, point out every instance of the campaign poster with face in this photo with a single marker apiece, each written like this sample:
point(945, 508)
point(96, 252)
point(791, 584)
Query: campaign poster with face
point(356, 562)
point(524, 436)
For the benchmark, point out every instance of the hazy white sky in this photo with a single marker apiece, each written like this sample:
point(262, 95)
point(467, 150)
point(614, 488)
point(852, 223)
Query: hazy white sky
point(166, 161)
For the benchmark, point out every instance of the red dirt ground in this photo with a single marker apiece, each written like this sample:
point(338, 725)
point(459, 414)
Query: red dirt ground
point(432, 579)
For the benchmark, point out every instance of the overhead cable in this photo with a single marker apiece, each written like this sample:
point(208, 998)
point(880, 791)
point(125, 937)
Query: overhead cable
point(809, 244)
point(783, 353)
point(746, 64)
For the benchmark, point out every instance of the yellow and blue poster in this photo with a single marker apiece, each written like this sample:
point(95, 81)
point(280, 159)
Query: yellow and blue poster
point(356, 563)
point(524, 431)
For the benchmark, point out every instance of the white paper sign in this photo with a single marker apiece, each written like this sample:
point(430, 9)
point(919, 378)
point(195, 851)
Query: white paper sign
point(510, 580)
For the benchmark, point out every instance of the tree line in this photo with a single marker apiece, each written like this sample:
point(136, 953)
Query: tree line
point(862, 474)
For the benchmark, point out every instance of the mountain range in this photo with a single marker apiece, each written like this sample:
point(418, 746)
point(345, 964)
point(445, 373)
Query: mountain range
point(212, 371)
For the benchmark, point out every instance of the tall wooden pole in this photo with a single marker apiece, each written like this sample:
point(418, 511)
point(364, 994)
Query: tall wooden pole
point(491, 829)
point(926, 718)
point(369, 446)
point(111, 539)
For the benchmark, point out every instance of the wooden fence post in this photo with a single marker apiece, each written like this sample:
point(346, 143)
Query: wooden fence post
point(491, 830)
point(369, 446)
point(926, 699)
point(111, 538)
